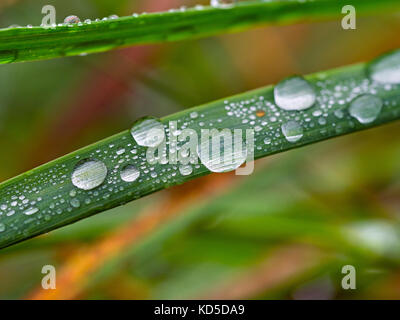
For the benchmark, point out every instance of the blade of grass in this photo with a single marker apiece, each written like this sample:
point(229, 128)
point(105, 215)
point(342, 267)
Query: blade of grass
point(37, 43)
point(45, 198)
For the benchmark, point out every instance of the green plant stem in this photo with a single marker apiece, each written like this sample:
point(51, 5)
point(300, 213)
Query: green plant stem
point(49, 188)
point(37, 43)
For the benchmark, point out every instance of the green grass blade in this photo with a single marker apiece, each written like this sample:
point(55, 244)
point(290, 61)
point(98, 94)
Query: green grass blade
point(44, 198)
point(37, 43)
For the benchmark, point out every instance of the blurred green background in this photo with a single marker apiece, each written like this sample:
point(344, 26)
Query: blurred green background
point(284, 232)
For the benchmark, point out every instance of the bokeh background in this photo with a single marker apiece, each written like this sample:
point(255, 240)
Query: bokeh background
point(284, 232)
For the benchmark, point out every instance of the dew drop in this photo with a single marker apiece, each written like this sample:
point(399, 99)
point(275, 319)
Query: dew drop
point(75, 203)
point(227, 157)
point(185, 170)
point(386, 69)
point(294, 93)
point(31, 211)
point(148, 132)
point(129, 173)
point(194, 115)
point(71, 20)
point(366, 108)
point(2, 227)
point(222, 3)
point(292, 131)
point(10, 213)
point(89, 174)
point(339, 114)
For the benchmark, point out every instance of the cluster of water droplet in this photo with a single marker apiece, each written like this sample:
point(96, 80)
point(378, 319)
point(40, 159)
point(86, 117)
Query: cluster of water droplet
point(120, 168)
point(73, 20)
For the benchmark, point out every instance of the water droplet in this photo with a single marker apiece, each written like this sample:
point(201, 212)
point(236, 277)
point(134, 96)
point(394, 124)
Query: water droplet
point(120, 151)
point(89, 174)
point(130, 173)
point(292, 131)
point(386, 69)
point(322, 121)
point(148, 132)
point(185, 170)
point(10, 213)
point(366, 108)
point(228, 157)
point(31, 211)
point(75, 203)
point(194, 115)
point(267, 141)
point(222, 3)
point(339, 114)
point(71, 20)
point(294, 93)
point(2, 227)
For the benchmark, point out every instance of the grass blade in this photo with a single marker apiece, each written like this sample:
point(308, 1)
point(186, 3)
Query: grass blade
point(37, 43)
point(45, 198)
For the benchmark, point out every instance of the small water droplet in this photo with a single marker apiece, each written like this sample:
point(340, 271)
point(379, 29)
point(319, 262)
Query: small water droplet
point(89, 174)
point(386, 69)
point(10, 213)
point(194, 115)
point(120, 151)
point(222, 3)
point(365, 108)
point(2, 227)
point(294, 93)
point(185, 170)
point(292, 131)
point(31, 211)
point(75, 203)
point(71, 20)
point(339, 114)
point(129, 173)
point(148, 132)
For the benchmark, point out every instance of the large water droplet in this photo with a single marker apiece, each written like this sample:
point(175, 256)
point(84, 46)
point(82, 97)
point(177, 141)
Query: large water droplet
point(386, 69)
point(130, 173)
point(366, 108)
point(222, 157)
point(148, 132)
point(89, 174)
point(292, 131)
point(294, 93)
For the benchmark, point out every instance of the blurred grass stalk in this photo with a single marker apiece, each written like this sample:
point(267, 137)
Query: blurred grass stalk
point(37, 43)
